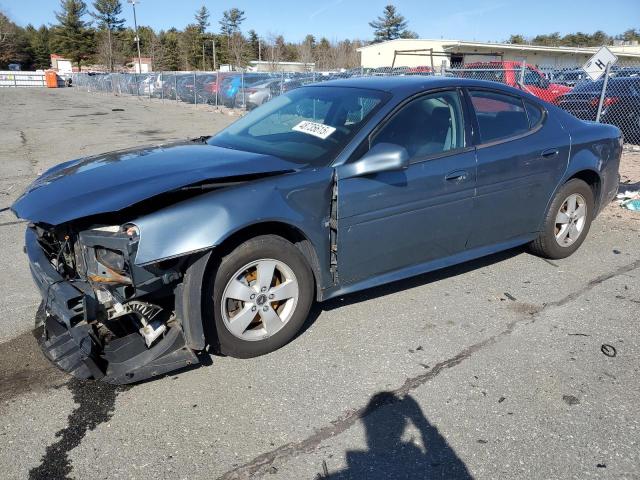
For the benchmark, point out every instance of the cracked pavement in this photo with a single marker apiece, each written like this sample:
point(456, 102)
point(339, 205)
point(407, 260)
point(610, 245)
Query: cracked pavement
point(490, 369)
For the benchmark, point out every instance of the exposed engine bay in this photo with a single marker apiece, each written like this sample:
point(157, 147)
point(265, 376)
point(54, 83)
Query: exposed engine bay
point(104, 316)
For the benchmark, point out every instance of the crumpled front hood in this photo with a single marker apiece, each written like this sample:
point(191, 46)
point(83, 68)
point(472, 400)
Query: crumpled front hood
point(113, 181)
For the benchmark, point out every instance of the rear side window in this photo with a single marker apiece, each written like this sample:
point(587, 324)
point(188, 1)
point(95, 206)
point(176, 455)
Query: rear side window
point(499, 116)
point(534, 112)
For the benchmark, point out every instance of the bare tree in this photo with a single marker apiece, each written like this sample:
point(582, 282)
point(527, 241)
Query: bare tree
point(108, 50)
point(107, 14)
point(7, 28)
point(306, 49)
point(275, 49)
point(238, 48)
point(346, 54)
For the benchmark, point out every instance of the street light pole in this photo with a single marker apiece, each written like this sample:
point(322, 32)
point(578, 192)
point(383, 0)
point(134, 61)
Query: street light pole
point(135, 24)
point(213, 44)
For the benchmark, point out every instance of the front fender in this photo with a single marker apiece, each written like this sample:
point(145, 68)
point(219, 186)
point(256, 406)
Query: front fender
point(300, 199)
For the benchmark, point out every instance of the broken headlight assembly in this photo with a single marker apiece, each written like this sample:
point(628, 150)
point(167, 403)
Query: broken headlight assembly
point(111, 259)
point(126, 295)
point(107, 251)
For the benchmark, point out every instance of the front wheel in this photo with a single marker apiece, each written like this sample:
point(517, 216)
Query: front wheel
point(262, 294)
point(567, 222)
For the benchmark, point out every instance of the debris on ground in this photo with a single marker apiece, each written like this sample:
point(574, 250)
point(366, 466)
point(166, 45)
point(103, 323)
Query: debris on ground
point(570, 400)
point(630, 200)
point(631, 204)
point(608, 350)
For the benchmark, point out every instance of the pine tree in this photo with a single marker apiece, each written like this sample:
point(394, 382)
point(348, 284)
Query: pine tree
point(390, 25)
point(169, 50)
point(322, 54)
point(39, 46)
point(254, 44)
point(107, 15)
point(231, 21)
point(191, 47)
point(72, 36)
point(202, 19)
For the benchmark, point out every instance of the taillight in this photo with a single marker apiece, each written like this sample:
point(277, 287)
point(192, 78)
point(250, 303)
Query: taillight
point(606, 102)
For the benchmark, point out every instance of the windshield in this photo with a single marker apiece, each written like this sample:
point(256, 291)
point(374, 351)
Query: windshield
point(308, 125)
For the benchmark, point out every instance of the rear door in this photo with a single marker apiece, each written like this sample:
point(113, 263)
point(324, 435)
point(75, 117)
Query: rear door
point(522, 153)
point(397, 219)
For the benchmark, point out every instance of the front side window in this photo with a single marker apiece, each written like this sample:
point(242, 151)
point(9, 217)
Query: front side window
point(308, 125)
point(429, 125)
point(499, 115)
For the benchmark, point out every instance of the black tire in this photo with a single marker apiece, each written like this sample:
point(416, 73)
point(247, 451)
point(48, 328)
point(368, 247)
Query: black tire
point(262, 247)
point(546, 245)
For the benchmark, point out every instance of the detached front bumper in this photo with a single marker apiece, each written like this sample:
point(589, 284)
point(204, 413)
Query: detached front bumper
point(69, 341)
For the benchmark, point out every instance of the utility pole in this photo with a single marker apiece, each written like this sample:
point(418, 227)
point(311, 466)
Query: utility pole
point(259, 49)
point(213, 43)
point(135, 23)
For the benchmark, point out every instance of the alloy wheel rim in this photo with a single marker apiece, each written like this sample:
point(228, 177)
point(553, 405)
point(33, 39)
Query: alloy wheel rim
point(570, 220)
point(259, 299)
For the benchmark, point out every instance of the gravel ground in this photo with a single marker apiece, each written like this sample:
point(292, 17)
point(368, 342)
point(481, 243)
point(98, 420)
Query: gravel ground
point(506, 367)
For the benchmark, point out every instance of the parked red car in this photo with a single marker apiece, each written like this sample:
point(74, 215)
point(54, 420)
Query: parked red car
point(510, 73)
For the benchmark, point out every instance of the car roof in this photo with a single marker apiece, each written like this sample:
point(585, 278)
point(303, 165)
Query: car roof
point(408, 85)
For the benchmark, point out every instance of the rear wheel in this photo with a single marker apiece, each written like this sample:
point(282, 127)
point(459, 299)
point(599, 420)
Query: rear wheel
point(567, 222)
point(262, 294)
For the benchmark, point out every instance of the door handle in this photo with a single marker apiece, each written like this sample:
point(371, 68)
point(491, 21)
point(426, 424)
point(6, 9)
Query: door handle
point(550, 152)
point(458, 176)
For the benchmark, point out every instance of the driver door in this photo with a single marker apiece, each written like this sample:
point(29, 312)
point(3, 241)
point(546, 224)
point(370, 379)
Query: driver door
point(394, 220)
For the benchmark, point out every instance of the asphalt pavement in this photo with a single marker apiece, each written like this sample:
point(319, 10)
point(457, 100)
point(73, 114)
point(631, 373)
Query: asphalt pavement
point(506, 367)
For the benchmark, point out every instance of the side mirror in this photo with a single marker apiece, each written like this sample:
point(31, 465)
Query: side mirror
point(382, 157)
point(543, 83)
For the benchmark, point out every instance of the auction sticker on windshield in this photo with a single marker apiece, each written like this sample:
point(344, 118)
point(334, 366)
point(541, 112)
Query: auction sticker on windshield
point(319, 130)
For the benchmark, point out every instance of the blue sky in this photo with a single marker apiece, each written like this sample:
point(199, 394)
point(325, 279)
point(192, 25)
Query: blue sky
point(490, 20)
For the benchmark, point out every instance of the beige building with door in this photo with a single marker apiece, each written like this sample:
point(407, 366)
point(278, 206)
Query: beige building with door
point(434, 53)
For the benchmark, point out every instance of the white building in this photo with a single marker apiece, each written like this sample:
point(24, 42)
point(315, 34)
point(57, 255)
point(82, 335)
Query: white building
point(267, 66)
point(432, 53)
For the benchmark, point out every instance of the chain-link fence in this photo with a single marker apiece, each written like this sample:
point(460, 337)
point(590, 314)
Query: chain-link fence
point(614, 99)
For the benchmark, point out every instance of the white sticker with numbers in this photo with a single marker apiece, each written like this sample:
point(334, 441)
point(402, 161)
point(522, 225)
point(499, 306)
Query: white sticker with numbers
point(319, 130)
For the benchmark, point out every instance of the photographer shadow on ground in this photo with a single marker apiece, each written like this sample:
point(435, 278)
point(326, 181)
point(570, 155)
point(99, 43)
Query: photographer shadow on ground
point(389, 455)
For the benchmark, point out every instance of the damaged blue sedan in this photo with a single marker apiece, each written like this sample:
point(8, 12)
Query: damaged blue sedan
point(148, 258)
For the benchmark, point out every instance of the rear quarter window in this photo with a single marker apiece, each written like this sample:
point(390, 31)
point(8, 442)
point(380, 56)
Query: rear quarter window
point(500, 116)
point(535, 114)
